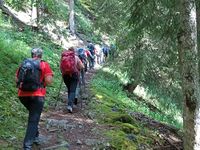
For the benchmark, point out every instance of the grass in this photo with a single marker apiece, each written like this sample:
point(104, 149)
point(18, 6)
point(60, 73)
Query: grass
point(108, 88)
point(111, 105)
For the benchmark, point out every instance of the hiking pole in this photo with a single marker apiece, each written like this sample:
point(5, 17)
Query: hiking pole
point(81, 87)
point(57, 98)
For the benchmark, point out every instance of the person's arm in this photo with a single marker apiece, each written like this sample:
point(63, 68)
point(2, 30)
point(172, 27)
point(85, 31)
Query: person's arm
point(48, 79)
point(16, 75)
point(48, 74)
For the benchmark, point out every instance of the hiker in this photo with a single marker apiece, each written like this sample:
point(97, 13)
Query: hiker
point(101, 55)
point(98, 54)
point(105, 52)
point(112, 51)
point(91, 48)
point(70, 66)
point(82, 54)
point(89, 58)
point(32, 77)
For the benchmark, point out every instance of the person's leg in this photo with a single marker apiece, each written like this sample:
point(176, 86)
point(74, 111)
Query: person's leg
point(85, 65)
point(77, 94)
point(90, 62)
point(67, 81)
point(93, 61)
point(35, 109)
point(73, 86)
point(78, 87)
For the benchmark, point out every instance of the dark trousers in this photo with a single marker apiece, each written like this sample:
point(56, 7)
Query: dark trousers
point(71, 82)
point(91, 62)
point(34, 105)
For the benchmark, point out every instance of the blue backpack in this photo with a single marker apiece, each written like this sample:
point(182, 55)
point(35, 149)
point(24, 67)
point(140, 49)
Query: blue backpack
point(105, 50)
point(82, 56)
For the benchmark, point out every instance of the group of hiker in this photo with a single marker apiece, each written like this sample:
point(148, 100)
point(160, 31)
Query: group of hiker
point(96, 54)
point(34, 74)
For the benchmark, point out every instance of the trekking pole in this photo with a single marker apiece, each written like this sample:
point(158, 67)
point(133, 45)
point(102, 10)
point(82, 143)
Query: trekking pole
point(57, 98)
point(82, 83)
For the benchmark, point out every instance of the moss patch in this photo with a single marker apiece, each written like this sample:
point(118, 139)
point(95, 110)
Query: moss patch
point(119, 140)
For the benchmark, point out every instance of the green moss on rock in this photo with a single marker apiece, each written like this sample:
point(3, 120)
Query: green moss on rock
point(120, 141)
point(129, 128)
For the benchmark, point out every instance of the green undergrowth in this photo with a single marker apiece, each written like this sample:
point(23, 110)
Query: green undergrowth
point(112, 106)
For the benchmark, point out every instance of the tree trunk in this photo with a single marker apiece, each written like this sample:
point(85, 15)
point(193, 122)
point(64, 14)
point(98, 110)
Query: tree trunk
point(190, 75)
point(71, 17)
point(198, 29)
point(38, 12)
point(34, 13)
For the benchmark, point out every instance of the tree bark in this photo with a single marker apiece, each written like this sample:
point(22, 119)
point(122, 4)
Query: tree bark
point(190, 75)
point(34, 12)
point(71, 17)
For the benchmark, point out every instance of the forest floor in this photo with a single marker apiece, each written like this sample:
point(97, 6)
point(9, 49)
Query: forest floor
point(61, 130)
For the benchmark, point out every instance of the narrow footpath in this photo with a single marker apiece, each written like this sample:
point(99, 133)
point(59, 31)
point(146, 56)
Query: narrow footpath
point(61, 130)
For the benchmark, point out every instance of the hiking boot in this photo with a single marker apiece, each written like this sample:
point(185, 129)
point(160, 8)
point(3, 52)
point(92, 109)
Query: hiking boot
point(69, 108)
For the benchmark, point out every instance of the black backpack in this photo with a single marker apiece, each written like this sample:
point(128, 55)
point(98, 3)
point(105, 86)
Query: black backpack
point(29, 75)
point(91, 49)
point(81, 54)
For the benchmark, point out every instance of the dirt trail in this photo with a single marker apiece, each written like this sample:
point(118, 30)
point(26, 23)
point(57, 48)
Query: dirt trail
point(62, 130)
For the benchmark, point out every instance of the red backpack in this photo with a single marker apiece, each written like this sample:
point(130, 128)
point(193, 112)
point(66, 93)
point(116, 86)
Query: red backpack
point(68, 63)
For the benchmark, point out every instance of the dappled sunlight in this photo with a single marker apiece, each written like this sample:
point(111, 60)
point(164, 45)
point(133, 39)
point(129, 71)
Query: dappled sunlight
point(23, 16)
point(99, 96)
point(121, 76)
point(140, 91)
point(60, 116)
point(6, 25)
point(78, 119)
point(141, 100)
point(168, 110)
point(56, 31)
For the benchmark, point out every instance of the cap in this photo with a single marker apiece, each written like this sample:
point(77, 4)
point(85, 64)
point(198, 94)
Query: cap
point(36, 52)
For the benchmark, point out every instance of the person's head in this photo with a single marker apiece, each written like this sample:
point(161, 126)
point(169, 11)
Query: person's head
point(36, 52)
point(71, 49)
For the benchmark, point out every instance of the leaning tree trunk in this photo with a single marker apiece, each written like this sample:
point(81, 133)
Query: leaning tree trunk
point(198, 30)
point(71, 17)
point(190, 75)
point(9, 13)
point(34, 12)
